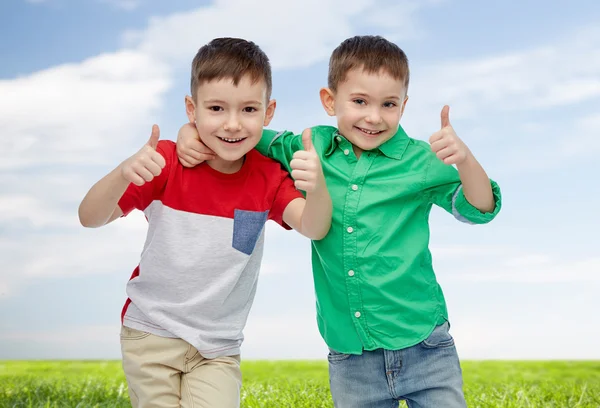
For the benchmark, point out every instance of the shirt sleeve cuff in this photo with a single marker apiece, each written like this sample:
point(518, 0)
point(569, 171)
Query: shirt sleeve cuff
point(127, 202)
point(464, 211)
point(266, 140)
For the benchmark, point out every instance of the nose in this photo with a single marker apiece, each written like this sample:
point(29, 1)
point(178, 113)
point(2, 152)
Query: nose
point(232, 124)
point(374, 117)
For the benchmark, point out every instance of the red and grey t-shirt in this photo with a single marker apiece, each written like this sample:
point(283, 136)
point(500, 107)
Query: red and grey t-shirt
point(198, 270)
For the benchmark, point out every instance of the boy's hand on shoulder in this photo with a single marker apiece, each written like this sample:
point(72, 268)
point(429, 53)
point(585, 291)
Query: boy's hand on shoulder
point(306, 166)
point(190, 150)
point(446, 144)
point(146, 164)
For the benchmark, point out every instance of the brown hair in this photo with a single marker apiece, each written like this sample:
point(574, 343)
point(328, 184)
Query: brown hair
point(230, 58)
point(371, 52)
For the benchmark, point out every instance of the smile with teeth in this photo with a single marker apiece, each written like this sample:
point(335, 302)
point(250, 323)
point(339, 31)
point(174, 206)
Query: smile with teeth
point(229, 140)
point(369, 132)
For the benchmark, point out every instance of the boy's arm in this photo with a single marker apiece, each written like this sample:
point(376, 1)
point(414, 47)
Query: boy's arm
point(279, 146)
point(100, 205)
point(467, 193)
point(476, 185)
point(310, 217)
point(190, 150)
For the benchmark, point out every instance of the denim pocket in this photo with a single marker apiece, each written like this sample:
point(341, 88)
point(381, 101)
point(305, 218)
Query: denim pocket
point(439, 338)
point(127, 333)
point(247, 226)
point(334, 356)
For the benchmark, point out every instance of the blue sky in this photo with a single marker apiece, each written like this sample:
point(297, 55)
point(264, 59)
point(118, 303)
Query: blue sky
point(82, 82)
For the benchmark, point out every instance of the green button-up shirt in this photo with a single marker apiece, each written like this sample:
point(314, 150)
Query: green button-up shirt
point(374, 281)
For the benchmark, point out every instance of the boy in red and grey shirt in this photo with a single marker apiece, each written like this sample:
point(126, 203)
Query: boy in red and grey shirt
point(189, 297)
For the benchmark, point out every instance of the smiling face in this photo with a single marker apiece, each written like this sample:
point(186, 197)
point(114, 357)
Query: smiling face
point(230, 118)
point(368, 107)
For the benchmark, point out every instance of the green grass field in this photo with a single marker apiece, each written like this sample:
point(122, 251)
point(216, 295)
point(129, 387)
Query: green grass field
point(301, 384)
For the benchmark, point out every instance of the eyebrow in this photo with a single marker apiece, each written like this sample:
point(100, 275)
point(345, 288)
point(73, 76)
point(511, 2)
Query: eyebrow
point(363, 95)
point(215, 101)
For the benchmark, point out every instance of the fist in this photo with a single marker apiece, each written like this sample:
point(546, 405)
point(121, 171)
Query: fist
point(306, 166)
point(190, 150)
point(146, 164)
point(446, 144)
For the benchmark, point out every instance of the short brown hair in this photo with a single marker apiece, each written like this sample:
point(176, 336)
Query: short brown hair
point(371, 52)
point(230, 58)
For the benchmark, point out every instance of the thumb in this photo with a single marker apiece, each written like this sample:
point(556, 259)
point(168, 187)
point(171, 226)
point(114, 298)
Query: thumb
point(307, 140)
point(153, 141)
point(445, 116)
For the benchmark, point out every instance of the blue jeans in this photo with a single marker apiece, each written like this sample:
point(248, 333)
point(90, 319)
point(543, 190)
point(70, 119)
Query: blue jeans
point(427, 375)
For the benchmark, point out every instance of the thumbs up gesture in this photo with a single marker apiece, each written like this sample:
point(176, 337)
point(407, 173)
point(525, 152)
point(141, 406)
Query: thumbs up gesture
point(146, 164)
point(446, 144)
point(306, 166)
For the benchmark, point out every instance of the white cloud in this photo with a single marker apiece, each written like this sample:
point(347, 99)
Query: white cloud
point(55, 124)
point(37, 254)
point(398, 21)
point(460, 251)
point(539, 152)
point(4, 290)
point(537, 268)
point(489, 93)
point(77, 114)
point(284, 337)
point(67, 337)
point(545, 77)
point(294, 34)
point(536, 79)
point(525, 339)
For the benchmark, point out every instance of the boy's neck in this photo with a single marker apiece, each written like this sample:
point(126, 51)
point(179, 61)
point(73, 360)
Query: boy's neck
point(357, 151)
point(226, 166)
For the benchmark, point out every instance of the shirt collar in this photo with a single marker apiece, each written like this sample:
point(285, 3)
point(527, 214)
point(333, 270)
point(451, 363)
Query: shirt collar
point(396, 146)
point(393, 148)
point(336, 138)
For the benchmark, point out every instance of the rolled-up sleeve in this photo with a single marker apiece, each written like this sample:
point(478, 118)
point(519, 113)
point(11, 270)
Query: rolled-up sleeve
point(444, 189)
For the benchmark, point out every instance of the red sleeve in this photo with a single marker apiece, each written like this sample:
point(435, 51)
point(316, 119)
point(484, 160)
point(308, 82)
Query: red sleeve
point(140, 197)
point(286, 193)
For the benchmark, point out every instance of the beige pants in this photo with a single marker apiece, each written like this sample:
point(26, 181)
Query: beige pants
point(166, 372)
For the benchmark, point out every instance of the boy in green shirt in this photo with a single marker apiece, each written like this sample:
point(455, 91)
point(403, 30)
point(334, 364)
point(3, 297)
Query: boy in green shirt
point(380, 308)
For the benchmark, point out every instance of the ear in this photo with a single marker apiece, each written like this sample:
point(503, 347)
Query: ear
point(270, 111)
point(328, 100)
point(190, 109)
point(403, 106)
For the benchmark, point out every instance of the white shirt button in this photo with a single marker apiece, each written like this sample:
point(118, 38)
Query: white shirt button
point(357, 314)
point(346, 152)
point(350, 272)
point(354, 187)
point(339, 139)
point(350, 230)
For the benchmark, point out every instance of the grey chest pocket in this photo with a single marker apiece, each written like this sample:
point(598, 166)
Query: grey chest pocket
point(247, 226)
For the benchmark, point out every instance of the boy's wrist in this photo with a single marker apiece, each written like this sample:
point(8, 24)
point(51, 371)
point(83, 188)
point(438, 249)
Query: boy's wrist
point(467, 163)
point(319, 192)
point(120, 173)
